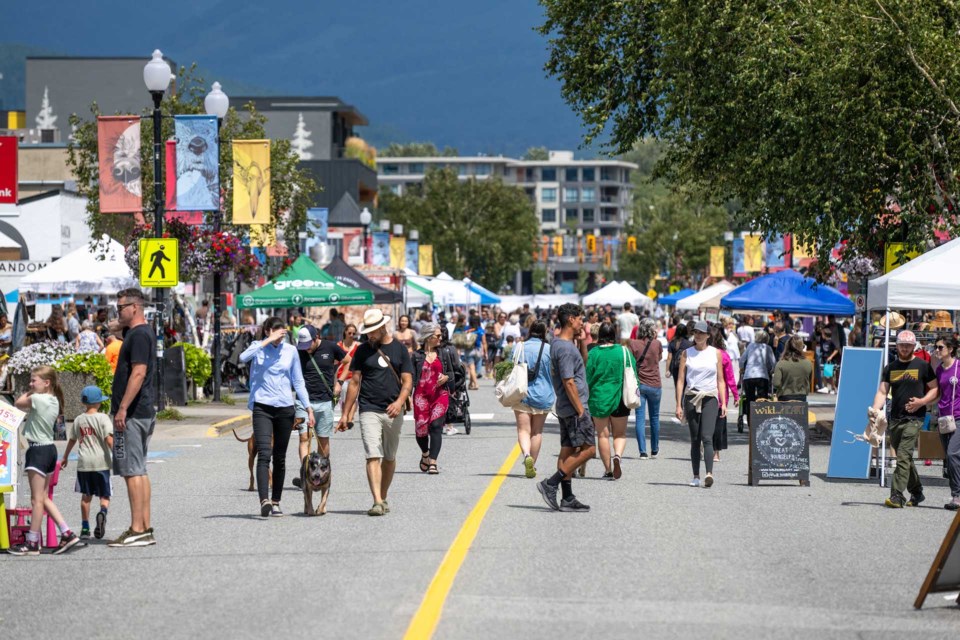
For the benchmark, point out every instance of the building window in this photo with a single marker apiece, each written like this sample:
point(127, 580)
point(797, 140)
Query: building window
point(571, 194)
point(391, 169)
point(609, 215)
point(548, 215)
point(549, 194)
point(463, 170)
point(573, 215)
point(394, 188)
point(530, 175)
point(570, 175)
point(588, 216)
point(589, 174)
point(589, 194)
point(531, 193)
point(626, 175)
point(608, 173)
point(415, 168)
point(548, 174)
point(483, 169)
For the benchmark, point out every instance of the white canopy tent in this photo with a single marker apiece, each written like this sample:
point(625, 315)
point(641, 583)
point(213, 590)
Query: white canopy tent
point(929, 281)
point(601, 295)
point(447, 291)
point(540, 300)
point(636, 297)
point(82, 272)
point(709, 297)
point(617, 294)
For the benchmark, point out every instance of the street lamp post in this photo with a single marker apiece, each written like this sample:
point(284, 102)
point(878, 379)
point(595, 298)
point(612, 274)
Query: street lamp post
point(217, 104)
point(365, 219)
point(156, 75)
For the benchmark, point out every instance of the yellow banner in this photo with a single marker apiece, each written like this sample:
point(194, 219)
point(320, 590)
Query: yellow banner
point(426, 260)
point(398, 252)
point(890, 259)
point(251, 181)
point(803, 251)
point(718, 256)
point(752, 254)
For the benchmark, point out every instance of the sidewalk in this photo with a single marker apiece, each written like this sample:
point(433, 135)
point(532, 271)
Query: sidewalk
point(206, 419)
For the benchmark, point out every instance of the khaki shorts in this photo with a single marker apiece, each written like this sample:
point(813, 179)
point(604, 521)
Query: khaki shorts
point(380, 434)
point(525, 408)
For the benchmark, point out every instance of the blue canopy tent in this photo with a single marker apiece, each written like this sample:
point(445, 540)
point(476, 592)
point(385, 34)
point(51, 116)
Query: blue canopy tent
point(486, 296)
point(790, 292)
point(672, 299)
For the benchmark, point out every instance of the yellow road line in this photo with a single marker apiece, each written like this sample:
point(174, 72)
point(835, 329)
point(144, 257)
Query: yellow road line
point(214, 430)
point(425, 621)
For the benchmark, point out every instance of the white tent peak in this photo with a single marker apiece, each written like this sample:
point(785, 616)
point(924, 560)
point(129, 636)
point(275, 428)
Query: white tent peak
point(83, 271)
point(929, 281)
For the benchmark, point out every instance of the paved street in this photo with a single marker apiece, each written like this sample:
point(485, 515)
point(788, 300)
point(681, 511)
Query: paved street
point(654, 557)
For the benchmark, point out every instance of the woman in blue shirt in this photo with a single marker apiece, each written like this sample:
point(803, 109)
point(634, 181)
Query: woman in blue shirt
point(274, 369)
point(533, 411)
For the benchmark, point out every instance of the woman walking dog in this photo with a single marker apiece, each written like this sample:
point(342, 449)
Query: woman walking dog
point(274, 369)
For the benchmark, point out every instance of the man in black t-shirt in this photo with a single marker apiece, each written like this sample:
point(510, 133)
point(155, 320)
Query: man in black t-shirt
point(914, 386)
point(134, 416)
point(382, 381)
point(318, 361)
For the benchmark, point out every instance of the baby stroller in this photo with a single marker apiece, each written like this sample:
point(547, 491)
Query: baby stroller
point(458, 411)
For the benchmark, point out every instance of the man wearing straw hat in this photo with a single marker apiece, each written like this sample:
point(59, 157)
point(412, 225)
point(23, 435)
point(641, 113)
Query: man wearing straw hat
point(382, 380)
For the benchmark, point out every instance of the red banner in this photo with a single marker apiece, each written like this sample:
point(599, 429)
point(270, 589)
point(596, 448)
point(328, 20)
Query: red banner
point(170, 159)
point(8, 170)
point(118, 146)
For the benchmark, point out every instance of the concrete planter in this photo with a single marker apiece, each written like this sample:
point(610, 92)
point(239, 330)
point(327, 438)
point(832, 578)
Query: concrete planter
point(71, 383)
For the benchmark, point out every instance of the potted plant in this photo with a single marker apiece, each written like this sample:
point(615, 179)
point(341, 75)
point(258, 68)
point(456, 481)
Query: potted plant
point(76, 371)
point(198, 365)
point(38, 354)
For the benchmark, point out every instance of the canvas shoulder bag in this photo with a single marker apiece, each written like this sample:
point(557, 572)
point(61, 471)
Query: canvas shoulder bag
point(631, 389)
point(335, 396)
point(948, 424)
point(512, 390)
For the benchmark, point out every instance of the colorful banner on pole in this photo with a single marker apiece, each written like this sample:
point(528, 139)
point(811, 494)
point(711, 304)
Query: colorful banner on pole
point(891, 259)
point(251, 181)
point(752, 254)
point(803, 254)
point(718, 256)
point(8, 169)
point(381, 248)
point(118, 149)
point(413, 256)
point(398, 252)
point(172, 213)
point(198, 163)
point(319, 218)
point(426, 260)
point(739, 270)
point(776, 253)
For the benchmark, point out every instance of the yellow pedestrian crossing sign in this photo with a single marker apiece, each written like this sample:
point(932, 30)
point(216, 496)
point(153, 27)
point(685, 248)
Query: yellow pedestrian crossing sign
point(159, 262)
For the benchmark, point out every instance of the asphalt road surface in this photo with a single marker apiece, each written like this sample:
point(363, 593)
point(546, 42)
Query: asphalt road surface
point(654, 558)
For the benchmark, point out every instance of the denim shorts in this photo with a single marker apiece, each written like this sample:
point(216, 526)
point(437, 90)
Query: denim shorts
point(322, 413)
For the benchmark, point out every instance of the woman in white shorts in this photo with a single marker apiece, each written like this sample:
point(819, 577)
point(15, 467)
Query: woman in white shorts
point(532, 412)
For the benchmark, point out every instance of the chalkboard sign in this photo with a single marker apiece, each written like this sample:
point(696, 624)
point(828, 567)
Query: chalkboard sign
point(944, 575)
point(779, 447)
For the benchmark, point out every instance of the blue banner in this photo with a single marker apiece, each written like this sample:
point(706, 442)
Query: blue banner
point(413, 256)
point(776, 256)
point(381, 248)
point(318, 218)
point(739, 267)
point(198, 163)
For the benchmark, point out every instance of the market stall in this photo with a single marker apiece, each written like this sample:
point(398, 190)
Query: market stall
point(790, 292)
point(672, 299)
point(81, 272)
point(303, 284)
point(708, 298)
point(617, 294)
point(350, 277)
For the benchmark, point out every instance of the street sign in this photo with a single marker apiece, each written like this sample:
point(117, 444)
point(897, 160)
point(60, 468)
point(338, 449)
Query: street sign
point(861, 303)
point(159, 262)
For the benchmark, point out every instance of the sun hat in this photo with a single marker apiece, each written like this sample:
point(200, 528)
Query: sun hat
point(941, 320)
point(906, 337)
point(896, 320)
point(305, 337)
point(701, 326)
point(373, 319)
point(92, 395)
point(427, 329)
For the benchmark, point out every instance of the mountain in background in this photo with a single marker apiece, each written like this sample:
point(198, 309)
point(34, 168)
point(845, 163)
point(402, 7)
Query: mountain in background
point(462, 74)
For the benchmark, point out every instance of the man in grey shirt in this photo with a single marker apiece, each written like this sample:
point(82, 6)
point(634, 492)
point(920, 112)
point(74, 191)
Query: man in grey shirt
point(578, 437)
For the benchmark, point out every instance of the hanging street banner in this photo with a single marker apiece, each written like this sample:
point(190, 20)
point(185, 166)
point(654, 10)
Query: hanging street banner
point(381, 249)
point(159, 262)
point(718, 256)
point(412, 260)
point(426, 260)
point(752, 254)
point(251, 181)
point(198, 162)
point(803, 254)
point(318, 219)
point(398, 252)
point(171, 212)
point(776, 253)
point(9, 146)
point(890, 256)
point(118, 150)
point(739, 269)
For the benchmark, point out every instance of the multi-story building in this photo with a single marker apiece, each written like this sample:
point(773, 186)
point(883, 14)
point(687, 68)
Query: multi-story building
point(574, 200)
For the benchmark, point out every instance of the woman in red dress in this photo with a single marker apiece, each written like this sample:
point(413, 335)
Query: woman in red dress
point(431, 397)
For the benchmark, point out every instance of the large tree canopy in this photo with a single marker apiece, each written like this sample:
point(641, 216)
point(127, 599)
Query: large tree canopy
point(478, 228)
point(820, 117)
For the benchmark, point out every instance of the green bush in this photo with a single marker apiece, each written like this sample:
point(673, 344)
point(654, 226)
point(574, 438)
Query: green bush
point(95, 364)
point(198, 363)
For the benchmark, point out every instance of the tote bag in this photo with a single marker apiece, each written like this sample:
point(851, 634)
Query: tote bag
point(631, 389)
point(512, 390)
point(948, 424)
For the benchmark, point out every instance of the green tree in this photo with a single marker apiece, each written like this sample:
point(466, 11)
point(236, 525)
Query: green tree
point(537, 153)
point(291, 188)
point(478, 228)
point(415, 150)
point(813, 115)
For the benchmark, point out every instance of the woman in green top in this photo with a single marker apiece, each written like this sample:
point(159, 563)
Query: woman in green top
point(791, 377)
point(605, 366)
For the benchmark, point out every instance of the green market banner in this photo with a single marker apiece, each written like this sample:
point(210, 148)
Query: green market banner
point(303, 284)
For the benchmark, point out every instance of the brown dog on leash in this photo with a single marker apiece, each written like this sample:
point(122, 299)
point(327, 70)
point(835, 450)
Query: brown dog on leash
point(315, 476)
point(252, 457)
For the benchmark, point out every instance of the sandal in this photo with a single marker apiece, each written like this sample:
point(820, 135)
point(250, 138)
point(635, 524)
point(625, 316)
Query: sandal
point(433, 469)
point(424, 465)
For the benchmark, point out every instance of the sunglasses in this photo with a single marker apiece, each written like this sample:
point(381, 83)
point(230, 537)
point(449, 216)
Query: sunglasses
point(941, 347)
point(121, 307)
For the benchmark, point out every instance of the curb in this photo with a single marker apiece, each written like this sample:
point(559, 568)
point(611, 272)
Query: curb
point(217, 429)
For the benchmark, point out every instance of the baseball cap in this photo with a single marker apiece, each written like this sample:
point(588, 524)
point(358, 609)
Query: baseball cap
point(92, 395)
point(702, 327)
point(906, 337)
point(305, 337)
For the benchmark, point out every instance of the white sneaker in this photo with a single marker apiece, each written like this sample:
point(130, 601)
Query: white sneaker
point(695, 482)
point(823, 390)
point(450, 431)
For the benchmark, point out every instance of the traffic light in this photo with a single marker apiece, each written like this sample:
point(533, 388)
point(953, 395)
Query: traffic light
point(631, 244)
point(592, 243)
point(607, 260)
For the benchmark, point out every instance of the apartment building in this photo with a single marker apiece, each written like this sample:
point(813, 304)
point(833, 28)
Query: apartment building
point(573, 199)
